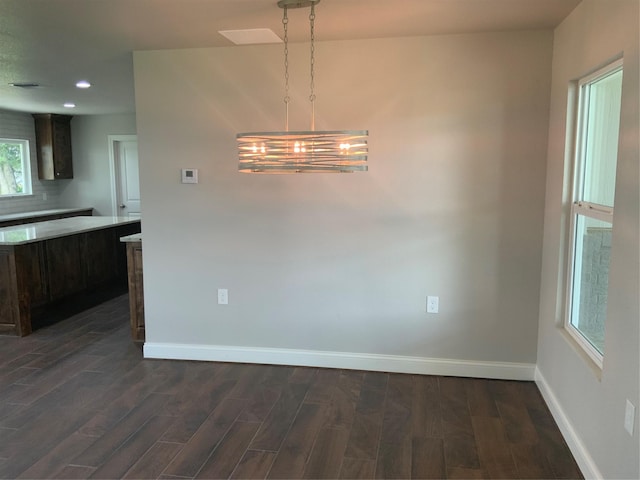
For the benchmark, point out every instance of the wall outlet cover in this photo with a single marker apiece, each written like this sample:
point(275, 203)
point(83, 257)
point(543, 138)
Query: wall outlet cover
point(223, 296)
point(433, 304)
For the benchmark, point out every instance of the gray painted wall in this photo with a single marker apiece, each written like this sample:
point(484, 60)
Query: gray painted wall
point(593, 402)
point(91, 184)
point(452, 204)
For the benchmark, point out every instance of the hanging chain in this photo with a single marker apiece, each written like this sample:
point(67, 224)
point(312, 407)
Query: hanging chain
point(285, 24)
point(312, 96)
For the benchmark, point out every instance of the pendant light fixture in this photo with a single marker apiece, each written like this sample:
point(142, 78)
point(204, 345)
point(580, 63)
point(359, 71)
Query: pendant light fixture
point(310, 151)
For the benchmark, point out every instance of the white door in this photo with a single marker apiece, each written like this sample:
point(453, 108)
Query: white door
point(127, 178)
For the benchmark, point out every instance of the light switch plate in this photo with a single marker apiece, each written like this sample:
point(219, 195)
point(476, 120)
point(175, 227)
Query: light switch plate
point(189, 175)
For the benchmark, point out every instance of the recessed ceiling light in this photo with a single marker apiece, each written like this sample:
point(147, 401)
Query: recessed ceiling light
point(83, 84)
point(252, 36)
point(69, 105)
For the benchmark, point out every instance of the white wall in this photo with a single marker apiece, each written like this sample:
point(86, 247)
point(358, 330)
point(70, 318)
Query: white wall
point(19, 126)
point(91, 184)
point(452, 204)
point(590, 405)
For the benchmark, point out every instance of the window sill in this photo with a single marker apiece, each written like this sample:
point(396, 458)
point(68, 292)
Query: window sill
point(577, 348)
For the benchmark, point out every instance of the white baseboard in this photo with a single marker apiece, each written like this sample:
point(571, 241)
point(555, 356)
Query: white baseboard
point(579, 451)
point(342, 360)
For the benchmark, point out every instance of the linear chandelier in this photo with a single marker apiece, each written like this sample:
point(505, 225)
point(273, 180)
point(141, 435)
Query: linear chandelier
point(308, 151)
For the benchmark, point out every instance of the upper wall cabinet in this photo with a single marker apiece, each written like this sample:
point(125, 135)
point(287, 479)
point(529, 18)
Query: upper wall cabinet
point(53, 144)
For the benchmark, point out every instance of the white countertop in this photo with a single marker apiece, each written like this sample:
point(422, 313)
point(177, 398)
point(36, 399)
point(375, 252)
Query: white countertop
point(40, 213)
point(37, 232)
point(135, 238)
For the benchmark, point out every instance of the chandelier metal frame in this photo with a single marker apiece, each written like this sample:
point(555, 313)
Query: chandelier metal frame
point(303, 151)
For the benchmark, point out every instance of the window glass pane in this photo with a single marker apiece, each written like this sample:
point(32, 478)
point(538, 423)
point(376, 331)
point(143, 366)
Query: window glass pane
point(591, 279)
point(14, 167)
point(602, 112)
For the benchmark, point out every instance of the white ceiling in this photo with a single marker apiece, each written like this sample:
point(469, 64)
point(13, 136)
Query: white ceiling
point(58, 42)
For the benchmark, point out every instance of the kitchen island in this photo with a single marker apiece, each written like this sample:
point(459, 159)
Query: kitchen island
point(45, 264)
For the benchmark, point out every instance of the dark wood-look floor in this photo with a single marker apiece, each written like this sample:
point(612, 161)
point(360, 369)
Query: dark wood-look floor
point(77, 401)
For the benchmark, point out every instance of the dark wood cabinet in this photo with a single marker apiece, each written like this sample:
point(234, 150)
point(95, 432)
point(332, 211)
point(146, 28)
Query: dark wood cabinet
point(99, 252)
point(64, 266)
point(10, 319)
point(136, 290)
point(32, 273)
point(53, 146)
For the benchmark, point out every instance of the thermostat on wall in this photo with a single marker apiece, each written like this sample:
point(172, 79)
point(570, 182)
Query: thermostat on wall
point(189, 175)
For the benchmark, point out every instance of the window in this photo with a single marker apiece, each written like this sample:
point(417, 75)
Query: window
point(594, 179)
point(15, 174)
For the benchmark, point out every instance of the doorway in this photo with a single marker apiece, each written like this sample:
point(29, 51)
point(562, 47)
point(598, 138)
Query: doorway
point(125, 178)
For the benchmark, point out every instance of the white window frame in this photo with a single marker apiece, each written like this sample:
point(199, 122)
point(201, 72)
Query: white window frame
point(26, 167)
point(579, 207)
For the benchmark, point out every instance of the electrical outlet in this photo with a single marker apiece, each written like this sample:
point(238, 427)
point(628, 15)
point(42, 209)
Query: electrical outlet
point(629, 417)
point(223, 296)
point(432, 304)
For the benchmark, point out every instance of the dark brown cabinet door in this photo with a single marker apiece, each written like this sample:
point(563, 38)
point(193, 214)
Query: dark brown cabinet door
point(30, 271)
point(9, 299)
point(136, 291)
point(62, 158)
point(100, 253)
point(64, 266)
point(53, 146)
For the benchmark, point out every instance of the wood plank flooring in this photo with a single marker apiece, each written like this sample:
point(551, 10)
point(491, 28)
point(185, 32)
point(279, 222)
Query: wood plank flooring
point(78, 401)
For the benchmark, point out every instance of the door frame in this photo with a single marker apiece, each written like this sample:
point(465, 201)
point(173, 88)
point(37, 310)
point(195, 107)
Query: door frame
point(113, 170)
